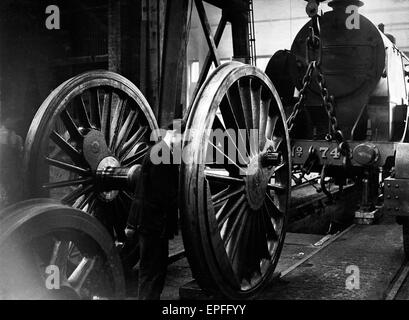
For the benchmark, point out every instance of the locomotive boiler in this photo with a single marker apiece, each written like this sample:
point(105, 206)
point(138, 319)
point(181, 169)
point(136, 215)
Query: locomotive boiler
point(344, 85)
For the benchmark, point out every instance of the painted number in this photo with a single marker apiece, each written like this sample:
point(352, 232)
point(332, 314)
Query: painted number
point(335, 153)
point(324, 151)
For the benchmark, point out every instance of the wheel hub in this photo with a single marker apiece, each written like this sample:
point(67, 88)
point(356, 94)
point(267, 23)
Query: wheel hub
point(104, 166)
point(257, 178)
point(95, 148)
point(259, 173)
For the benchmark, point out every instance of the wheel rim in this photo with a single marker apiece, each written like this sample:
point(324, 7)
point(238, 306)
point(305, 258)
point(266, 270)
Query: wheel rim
point(237, 206)
point(40, 238)
point(92, 122)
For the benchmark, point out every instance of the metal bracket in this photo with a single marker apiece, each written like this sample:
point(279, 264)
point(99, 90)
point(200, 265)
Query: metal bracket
point(396, 197)
point(402, 161)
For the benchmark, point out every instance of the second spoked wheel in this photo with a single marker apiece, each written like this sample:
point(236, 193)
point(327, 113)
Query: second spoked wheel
point(89, 126)
point(52, 251)
point(235, 182)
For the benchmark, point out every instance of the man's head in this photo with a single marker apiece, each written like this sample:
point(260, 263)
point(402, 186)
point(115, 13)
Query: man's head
point(174, 133)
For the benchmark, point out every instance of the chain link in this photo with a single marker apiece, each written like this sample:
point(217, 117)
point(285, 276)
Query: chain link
point(314, 43)
point(302, 97)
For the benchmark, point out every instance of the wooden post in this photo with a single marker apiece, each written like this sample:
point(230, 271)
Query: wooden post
point(114, 35)
point(173, 60)
point(240, 33)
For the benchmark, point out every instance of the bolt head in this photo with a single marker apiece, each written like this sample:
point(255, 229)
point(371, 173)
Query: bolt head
point(95, 147)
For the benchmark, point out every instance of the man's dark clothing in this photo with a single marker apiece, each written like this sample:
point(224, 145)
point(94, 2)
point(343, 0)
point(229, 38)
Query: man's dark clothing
point(154, 214)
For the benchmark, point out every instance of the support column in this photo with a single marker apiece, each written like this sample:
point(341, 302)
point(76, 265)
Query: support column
point(123, 34)
point(173, 60)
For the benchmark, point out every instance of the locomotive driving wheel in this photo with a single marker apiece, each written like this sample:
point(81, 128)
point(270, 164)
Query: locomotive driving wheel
point(85, 143)
point(235, 182)
point(36, 239)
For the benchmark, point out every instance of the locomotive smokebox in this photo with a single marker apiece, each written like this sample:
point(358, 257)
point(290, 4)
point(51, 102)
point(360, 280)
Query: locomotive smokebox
point(352, 62)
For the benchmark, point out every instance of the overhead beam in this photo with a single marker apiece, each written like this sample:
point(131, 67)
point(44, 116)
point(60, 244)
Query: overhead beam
point(208, 60)
point(235, 5)
point(208, 32)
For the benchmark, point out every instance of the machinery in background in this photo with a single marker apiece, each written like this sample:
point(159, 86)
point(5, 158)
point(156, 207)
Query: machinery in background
point(345, 91)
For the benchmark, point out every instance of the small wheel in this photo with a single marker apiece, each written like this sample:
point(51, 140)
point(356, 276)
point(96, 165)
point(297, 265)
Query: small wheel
point(52, 251)
point(235, 182)
point(92, 122)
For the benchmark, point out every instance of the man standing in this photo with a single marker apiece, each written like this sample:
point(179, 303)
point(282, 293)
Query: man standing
point(154, 213)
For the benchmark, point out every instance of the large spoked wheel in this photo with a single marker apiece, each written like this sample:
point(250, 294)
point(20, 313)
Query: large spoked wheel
point(89, 126)
point(235, 182)
point(52, 251)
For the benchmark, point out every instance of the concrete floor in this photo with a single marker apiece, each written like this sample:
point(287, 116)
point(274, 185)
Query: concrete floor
point(320, 272)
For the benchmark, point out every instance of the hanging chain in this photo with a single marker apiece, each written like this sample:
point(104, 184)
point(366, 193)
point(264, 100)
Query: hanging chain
point(314, 43)
point(302, 97)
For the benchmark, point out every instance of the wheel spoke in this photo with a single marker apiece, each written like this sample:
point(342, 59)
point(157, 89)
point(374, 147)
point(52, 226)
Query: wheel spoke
point(126, 129)
point(264, 111)
point(231, 121)
point(234, 224)
point(217, 124)
point(236, 109)
point(95, 108)
point(77, 193)
point(223, 216)
point(255, 94)
point(132, 142)
point(271, 125)
point(253, 249)
point(265, 233)
point(240, 261)
point(67, 148)
point(226, 194)
point(82, 111)
point(268, 225)
point(71, 127)
point(230, 161)
point(91, 206)
point(67, 166)
point(85, 200)
point(222, 178)
point(106, 114)
point(277, 141)
point(81, 272)
point(245, 97)
point(117, 122)
point(62, 184)
point(137, 154)
point(60, 255)
point(272, 208)
point(239, 242)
